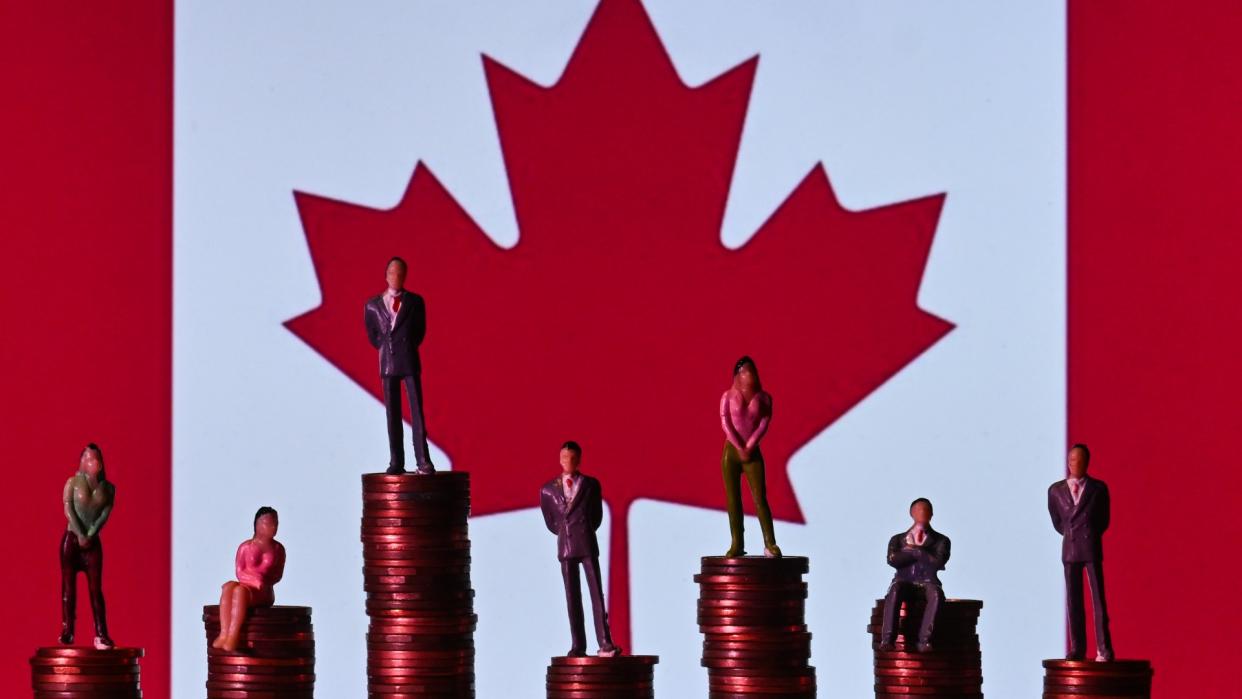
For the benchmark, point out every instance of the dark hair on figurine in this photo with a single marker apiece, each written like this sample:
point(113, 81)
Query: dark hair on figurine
point(404, 266)
point(265, 510)
point(745, 360)
point(99, 453)
point(572, 446)
point(1086, 453)
point(926, 502)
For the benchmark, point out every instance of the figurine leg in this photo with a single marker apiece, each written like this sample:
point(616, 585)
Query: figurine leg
point(1075, 615)
point(754, 471)
point(603, 635)
point(226, 613)
point(1103, 639)
point(934, 595)
point(418, 426)
point(392, 404)
point(573, 601)
point(241, 603)
point(68, 586)
point(897, 593)
point(731, 471)
point(93, 558)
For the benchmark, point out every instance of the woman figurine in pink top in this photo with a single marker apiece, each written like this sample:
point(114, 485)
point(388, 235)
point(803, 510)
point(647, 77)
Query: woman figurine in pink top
point(745, 413)
point(260, 564)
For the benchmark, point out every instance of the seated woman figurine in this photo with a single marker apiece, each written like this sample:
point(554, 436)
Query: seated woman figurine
point(260, 564)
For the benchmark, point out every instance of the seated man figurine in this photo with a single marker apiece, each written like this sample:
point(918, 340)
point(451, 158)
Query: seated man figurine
point(918, 554)
point(259, 565)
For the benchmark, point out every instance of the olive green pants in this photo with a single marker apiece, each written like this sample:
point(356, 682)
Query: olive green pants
point(732, 468)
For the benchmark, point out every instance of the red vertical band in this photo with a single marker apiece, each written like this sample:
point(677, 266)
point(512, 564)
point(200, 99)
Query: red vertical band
point(1155, 331)
point(86, 302)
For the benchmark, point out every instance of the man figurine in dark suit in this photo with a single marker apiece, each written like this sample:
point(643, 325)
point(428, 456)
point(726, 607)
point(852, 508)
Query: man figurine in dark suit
point(573, 509)
point(918, 554)
point(1079, 506)
point(396, 322)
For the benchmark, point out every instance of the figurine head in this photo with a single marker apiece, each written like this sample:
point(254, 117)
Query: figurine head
point(921, 511)
point(266, 521)
point(571, 456)
point(746, 374)
point(1077, 461)
point(91, 462)
point(394, 273)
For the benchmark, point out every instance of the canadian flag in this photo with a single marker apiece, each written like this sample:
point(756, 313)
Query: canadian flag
point(955, 236)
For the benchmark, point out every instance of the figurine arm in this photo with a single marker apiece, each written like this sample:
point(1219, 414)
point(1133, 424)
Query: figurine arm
point(1054, 511)
point(374, 334)
point(727, 424)
point(278, 565)
point(1104, 510)
point(595, 515)
point(760, 429)
point(939, 555)
point(241, 566)
point(75, 524)
point(898, 556)
point(419, 319)
point(549, 509)
point(100, 520)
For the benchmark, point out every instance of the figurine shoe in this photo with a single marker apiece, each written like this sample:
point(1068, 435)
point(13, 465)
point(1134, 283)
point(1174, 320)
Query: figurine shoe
point(609, 652)
point(425, 469)
point(576, 653)
point(735, 552)
point(924, 647)
point(66, 638)
point(887, 646)
point(102, 642)
point(1104, 656)
point(772, 551)
point(1073, 655)
point(395, 470)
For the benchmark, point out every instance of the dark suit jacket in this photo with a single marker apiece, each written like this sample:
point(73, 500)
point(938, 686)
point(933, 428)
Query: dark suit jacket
point(574, 524)
point(1081, 526)
point(920, 563)
point(398, 346)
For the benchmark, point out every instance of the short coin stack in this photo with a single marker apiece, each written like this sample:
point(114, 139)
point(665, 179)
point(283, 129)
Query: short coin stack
point(275, 655)
point(416, 571)
point(72, 672)
point(618, 677)
point(752, 616)
point(1087, 679)
point(951, 669)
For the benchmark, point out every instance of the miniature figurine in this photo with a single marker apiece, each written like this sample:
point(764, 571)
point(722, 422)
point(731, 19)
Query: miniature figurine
point(745, 413)
point(573, 509)
point(396, 322)
point(918, 554)
point(88, 498)
point(259, 565)
point(1079, 506)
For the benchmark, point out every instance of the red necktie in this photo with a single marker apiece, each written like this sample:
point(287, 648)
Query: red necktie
point(396, 304)
point(1074, 491)
point(569, 486)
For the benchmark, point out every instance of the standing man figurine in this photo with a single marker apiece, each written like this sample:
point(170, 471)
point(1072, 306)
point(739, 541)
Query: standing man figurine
point(573, 509)
point(396, 322)
point(88, 498)
point(918, 554)
point(1079, 506)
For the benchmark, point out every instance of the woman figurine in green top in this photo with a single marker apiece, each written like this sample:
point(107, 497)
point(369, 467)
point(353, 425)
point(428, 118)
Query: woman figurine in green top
point(745, 413)
point(88, 498)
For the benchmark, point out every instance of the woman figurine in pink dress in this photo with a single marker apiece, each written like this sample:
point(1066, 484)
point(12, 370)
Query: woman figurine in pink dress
point(745, 413)
point(260, 564)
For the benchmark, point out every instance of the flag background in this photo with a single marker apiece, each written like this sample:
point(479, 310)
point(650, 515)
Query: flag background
point(88, 249)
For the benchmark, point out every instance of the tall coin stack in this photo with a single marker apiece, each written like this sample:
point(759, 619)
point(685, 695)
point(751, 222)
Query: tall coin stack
point(951, 669)
point(416, 570)
point(73, 672)
point(752, 616)
point(618, 677)
point(1087, 679)
point(275, 655)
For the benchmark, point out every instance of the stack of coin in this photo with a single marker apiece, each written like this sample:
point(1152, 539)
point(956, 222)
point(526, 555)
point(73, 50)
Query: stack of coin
point(951, 669)
point(1087, 679)
point(72, 672)
point(416, 571)
point(752, 616)
point(618, 677)
point(275, 655)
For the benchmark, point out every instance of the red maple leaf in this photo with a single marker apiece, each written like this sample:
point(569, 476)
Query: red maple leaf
point(616, 318)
